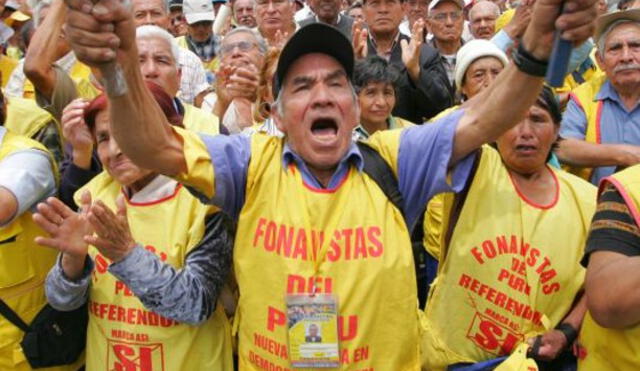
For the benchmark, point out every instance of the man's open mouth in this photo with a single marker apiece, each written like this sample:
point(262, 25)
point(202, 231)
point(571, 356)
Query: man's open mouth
point(324, 127)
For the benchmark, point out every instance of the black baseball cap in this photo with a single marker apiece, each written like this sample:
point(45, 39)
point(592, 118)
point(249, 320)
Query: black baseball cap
point(314, 38)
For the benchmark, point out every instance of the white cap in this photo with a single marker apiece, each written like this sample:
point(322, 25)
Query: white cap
point(198, 11)
point(473, 50)
point(13, 4)
point(435, 3)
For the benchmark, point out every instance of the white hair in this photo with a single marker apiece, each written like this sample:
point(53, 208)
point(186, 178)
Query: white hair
point(600, 43)
point(150, 31)
point(262, 43)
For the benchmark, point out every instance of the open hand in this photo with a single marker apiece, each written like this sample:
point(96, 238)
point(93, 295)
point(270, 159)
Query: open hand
point(112, 233)
point(66, 228)
point(411, 50)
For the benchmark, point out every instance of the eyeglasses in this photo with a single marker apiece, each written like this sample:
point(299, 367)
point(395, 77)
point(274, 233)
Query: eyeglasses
point(441, 17)
point(244, 46)
point(264, 3)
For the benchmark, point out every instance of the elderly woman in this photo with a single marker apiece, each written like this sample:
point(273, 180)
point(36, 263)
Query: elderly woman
point(153, 270)
point(478, 63)
point(374, 80)
point(515, 278)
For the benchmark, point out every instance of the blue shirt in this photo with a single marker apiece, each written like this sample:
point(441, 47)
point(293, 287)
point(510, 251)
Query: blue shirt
point(617, 124)
point(423, 166)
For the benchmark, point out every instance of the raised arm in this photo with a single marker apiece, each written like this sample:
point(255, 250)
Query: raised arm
point(137, 122)
point(41, 54)
point(505, 102)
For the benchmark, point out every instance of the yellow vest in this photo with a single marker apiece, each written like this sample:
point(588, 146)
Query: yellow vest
point(80, 74)
point(196, 119)
point(585, 96)
point(570, 82)
point(25, 117)
point(368, 263)
point(211, 65)
point(606, 348)
point(23, 268)
point(122, 334)
point(511, 269)
point(7, 65)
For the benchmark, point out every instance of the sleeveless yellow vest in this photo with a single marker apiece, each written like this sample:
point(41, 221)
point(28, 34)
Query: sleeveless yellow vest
point(510, 271)
point(614, 349)
point(196, 119)
point(585, 96)
point(368, 264)
point(80, 74)
point(23, 268)
point(122, 334)
point(7, 65)
point(25, 117)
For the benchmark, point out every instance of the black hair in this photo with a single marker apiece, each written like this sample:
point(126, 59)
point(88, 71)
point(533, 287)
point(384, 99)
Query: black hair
point(375, 69)
point(548, 100)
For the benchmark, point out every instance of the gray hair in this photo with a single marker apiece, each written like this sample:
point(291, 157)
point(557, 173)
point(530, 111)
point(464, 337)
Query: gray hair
point(262, 43)
point(600, 43)
point(495, 8)
point(150, 31)
point(36, 12)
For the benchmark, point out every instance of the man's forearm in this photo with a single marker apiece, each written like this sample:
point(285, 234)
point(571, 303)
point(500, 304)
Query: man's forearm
point(578, 152)
point(41, 53)
point(139, 125)
point(612, 291)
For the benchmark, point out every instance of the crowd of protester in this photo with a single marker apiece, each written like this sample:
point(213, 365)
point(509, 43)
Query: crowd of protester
point(319, 184)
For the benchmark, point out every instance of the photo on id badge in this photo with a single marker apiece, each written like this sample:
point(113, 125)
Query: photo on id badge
point(313, 331)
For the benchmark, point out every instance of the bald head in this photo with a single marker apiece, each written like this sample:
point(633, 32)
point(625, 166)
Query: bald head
point(482, 19)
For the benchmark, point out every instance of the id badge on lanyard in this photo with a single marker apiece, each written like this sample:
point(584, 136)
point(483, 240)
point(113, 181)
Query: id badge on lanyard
point(312, 326)
point(312, 318)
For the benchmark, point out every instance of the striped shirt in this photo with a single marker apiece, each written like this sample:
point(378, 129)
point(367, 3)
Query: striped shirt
point(613, 227)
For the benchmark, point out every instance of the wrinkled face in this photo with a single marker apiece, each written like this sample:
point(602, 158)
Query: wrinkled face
point(445, 21)
point(356, 14)
point(526, 146)
point(479, 75)
point(241, 49)
point(150, 12)
point(621, 60)
point(482, 21)
point(273, 15)
point(178, 23)
point(376, 100)
point(243, 12)
point(326, 10)
point(113, 160)
point(415, 9)
point(319, 111)
point(382, 16)
point(200, 31)
point(158, 64)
